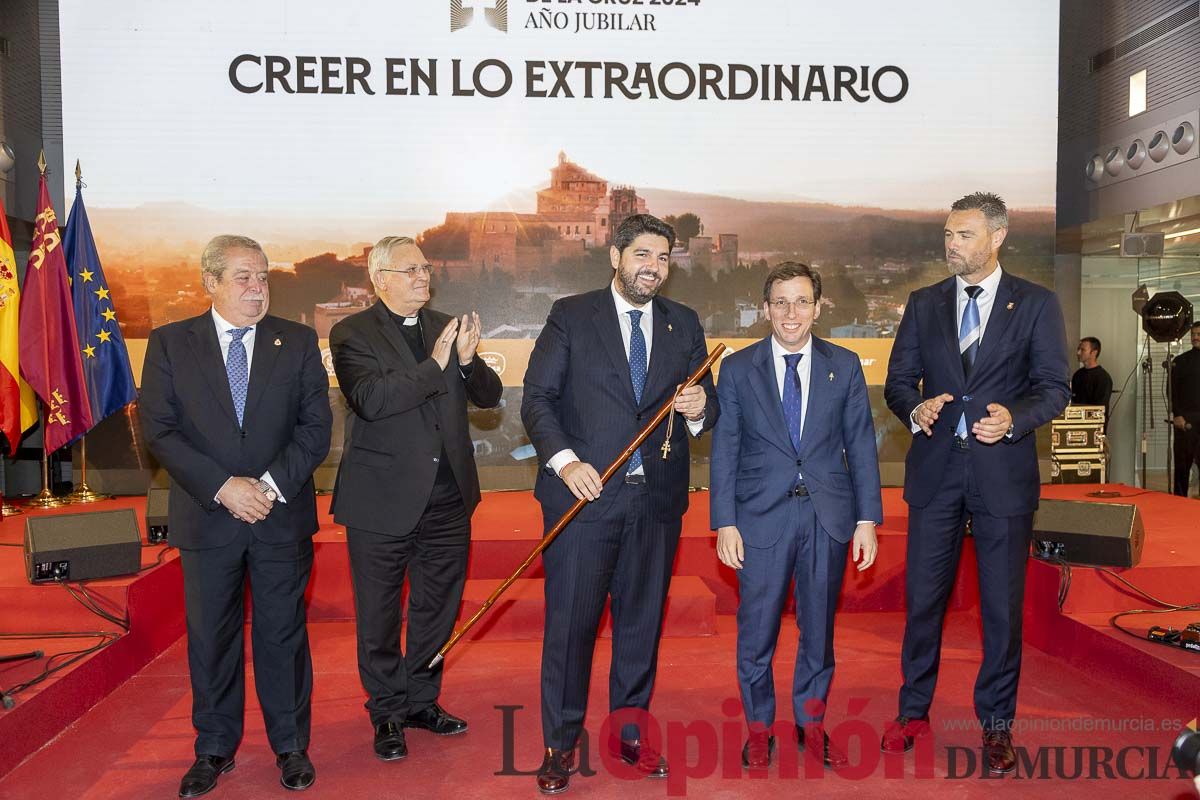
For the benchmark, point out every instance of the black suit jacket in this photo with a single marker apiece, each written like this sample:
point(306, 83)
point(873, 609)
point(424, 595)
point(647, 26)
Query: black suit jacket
point(191, 428)
point(578, 395)
point(402, 415)
point(1021, 364)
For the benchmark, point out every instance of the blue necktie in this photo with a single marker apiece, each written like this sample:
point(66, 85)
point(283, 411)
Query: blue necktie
point(968, 345)
point(637, 372)
point(238, 370)
point(792, 397)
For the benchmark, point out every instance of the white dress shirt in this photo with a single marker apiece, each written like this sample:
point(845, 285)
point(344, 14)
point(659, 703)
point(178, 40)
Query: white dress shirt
point(985, 300)
point(224, 339)
point(646, 323)
point(804, 370)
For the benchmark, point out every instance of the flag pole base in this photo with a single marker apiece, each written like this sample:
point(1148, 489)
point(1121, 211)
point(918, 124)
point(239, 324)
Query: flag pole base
point(7, 509)
point(45, 500)
point(84, 494)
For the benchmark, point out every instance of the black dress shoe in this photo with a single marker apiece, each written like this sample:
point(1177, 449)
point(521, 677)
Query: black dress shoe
point(202, 776)
point(640, 756)
point(831, 757)
point(389, 742)
point(296, 772)
point(899, 735)
point(434, 718)
point(554, 776)
point(998, 752)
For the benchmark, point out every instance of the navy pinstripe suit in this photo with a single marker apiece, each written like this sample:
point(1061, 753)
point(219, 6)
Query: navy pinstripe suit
point(579, 396)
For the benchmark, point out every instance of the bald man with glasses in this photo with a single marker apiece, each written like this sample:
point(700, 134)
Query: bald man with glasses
point(407, 484)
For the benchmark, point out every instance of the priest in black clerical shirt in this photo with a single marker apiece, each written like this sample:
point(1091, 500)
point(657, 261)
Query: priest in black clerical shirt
point(407, 484)
point(1091, 385)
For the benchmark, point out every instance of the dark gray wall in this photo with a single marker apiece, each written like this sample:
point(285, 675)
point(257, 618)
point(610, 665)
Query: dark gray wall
point(1093, 106)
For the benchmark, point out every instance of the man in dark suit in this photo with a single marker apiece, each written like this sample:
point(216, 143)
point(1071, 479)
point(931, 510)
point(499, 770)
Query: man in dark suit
point(1185, 413)
point(795, 478)
point(407, 484)
point(235, 405)
point(603, 364)
point(979, 363)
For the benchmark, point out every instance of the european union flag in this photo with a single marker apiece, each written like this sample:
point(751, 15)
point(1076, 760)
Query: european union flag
point(105, 358)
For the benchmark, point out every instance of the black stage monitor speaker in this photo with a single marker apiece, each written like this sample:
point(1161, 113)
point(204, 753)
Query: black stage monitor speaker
point(79, 547)
point(156, 514)
point(1093, 534)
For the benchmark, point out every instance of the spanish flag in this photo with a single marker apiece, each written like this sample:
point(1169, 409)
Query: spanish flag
point(18, 409)
point(50, 358)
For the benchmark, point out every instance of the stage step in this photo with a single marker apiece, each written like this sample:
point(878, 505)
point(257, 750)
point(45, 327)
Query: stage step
point(520, 612)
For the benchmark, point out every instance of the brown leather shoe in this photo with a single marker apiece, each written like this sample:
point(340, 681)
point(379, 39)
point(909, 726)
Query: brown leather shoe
point(554, 775)
point(758, 750)
point(898, 735)
point(831, 757)
point(998, 752)
point(640, 756)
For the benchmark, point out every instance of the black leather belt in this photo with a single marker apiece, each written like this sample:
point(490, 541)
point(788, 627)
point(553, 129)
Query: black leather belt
point(798, 491)
point(635, 480)
point(960, 444)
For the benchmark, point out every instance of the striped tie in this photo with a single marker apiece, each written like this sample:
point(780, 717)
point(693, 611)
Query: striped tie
point(637, 373)
point(968, 345)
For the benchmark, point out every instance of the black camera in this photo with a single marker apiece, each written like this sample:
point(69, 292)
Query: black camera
point(1186, 752)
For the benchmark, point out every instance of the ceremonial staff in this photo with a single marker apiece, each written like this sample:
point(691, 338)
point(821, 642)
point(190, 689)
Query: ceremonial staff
point(566, 518)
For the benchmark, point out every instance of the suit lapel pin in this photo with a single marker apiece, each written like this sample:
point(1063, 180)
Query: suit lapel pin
point(831, 377)
point(279, 343)
point(669, 328)
point(1009, 307)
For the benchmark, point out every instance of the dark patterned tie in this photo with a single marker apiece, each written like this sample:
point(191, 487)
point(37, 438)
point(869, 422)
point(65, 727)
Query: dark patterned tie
point(792, 397)
point(238, 370)
point(637, 372)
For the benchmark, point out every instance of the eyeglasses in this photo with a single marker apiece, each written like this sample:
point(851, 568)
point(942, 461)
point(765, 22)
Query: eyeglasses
point(424, 269)
point(784, 306)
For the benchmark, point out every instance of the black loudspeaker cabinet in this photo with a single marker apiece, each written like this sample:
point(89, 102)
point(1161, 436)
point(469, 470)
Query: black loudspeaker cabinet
point(79, 547)
point(1093, 534)
point(156, 514)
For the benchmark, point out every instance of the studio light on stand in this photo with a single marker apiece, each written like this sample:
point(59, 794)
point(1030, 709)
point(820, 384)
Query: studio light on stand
point(1166, 318)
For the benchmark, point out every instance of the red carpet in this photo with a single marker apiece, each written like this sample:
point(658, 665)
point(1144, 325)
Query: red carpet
point(1083, 684)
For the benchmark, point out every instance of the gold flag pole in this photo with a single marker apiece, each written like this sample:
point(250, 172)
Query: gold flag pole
point(44, 498)
point(83, 493)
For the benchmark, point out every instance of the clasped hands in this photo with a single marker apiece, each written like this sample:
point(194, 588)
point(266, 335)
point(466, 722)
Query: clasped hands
point(247, 499)
point(988, 430)
point(461, 335)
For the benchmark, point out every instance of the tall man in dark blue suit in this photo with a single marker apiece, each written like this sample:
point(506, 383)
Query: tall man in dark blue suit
point(795, 479)
point(602, 365)
point(235, 406)
point(979, 363)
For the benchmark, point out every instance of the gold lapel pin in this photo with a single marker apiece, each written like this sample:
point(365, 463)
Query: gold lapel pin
point(279, 343)
point(1009, 307)
point(669, 328)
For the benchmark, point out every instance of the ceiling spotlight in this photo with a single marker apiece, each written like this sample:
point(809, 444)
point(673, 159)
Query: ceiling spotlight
point(7, 158)
point(1183, 138)
point(1159, 147)
point(1095, 168)
point(1114, 161)
point(1135, 154)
